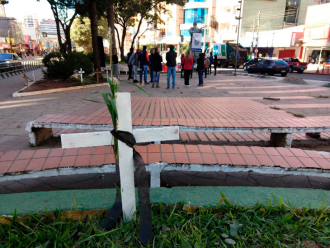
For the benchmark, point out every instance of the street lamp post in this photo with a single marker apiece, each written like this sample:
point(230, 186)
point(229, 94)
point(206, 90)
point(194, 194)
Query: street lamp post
point(238, 27)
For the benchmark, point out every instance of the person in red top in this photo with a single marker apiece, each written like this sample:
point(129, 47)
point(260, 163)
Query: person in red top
point(182, 65)
point(188, 62)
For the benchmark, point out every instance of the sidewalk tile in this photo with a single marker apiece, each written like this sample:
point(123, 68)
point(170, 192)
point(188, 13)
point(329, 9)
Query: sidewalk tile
point(236, 159)
point(140, 149)
point(68, 161)
point(192, 149)
point(251, 160)
point(209, 158)
point(43, 153)
point(279, 161)
point(244, 150)
point(166, 148)
point(223, 158)
point(258, 150)
point(309, 163)
point(52, 163)
point(154, 148)
point(181, 158)
point(299, 152)
point(153, 158)
point(168, 157)
point(294, 162)
point(231, 149)
point(285, 152)
point(99, 150)
point(4, 166)
point(9, 156)
point(56, 152)
point(144, 156)
point(218, 149)
point(25, 155)
point(97, 160)
point(271, 151)
point(82, 160)
point(314, 155)
point(179, 148)
point(110, 159)
point(18, 166)
point(205, 149)
point(35, 164)
point(71, 152)
point(85, 151)
point(195, 158)
point(325, 164)
point(264, 160)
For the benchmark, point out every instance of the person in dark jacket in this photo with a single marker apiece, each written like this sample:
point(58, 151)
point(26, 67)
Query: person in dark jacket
point(144, 64)
point(171, 64)
point(157, 67)
point(215, 61)
point(200, 68)
point(182, 64)
point(130, 67)
point(115, 64)
point(211, 63)
point(151, 64)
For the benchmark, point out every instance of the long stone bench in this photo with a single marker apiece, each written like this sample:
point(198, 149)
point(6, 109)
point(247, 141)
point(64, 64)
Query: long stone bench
point(42, 128)
point(244, 165)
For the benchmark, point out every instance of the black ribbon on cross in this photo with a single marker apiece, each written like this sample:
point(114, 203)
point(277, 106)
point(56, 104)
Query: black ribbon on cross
point(142, 182)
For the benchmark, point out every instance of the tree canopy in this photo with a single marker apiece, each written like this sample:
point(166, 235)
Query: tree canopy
point(81, 32)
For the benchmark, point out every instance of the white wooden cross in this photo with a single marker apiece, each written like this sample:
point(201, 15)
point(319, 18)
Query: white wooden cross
point(81, 74)
point(126, 166)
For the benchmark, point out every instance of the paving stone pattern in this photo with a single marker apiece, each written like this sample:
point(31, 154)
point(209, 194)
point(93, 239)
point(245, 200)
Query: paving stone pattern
point(45, 159)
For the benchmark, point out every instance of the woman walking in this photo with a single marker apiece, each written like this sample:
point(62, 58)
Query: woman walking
point(188, 62)
point(215, 64)
point(182, 64)
point(115, 64)
point(157, 67)
point(200, 68)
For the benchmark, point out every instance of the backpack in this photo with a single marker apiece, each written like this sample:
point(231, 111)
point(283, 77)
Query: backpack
point(206, 63)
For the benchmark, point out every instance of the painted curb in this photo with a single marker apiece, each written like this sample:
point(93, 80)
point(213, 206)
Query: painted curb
point(42, 92)
point(193, 196)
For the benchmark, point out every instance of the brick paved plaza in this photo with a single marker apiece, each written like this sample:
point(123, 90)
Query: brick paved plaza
point(224, 102)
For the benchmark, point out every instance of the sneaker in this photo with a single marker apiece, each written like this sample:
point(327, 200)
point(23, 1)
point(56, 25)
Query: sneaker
point(146, 83)
point(135, 81)
point(157, 86)
point(168, 88)
point(153, 86)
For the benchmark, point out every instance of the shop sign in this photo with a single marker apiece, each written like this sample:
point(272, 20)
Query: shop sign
point(4, 46)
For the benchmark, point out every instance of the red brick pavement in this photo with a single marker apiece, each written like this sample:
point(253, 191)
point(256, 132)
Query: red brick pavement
point(45, 159)
point(197, 112)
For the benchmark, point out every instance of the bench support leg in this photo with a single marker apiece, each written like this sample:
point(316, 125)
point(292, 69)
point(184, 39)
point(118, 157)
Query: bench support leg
point(281, 139)
point(39, 135)
point(314, 135)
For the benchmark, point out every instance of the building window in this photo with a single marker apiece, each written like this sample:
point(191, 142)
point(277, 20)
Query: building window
point(191, 15)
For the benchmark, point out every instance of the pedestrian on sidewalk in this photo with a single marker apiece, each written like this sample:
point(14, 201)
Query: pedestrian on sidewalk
point(115, 63)
point(215, 61)
point(151, 65)
point(211, 63)
point(188, 62)
point(206, 64)
point(157, 67)
point(171, 64)
point(144, 64)
point(134, 61)
point(182, 65)
point(200, 68)
point(130, 67)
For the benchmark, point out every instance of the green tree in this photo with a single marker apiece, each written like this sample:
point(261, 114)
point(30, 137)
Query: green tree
point(129, 12)
point(81, 31)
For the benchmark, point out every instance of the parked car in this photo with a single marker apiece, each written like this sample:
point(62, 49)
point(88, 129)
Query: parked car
point(251, 62)
point(10, 60)
point(269, 66)
point(295, 65)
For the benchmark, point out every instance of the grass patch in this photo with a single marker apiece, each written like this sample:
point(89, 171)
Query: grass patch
point(274, 107)
point(228, 225)
point(297, 115)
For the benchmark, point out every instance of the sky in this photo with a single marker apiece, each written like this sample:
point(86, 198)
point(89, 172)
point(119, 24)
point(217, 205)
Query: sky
point(18, 8)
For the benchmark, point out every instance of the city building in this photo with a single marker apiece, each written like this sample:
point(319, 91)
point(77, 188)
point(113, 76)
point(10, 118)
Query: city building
point(11, 35)
point(31, 21)
point(49, 27)
point(316, 39)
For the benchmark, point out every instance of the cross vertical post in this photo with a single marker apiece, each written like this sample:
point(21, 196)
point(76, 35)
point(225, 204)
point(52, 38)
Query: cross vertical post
point(81, 74)
point(126, 164)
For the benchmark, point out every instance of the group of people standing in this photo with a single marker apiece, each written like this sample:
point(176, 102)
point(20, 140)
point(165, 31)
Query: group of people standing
point(153, 63)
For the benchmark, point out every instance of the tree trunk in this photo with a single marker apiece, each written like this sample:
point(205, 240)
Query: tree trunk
point(68, 40)
point(93, 17)
point(138, 29)
point(60, 43)
point(122, 45)
point(111, 23)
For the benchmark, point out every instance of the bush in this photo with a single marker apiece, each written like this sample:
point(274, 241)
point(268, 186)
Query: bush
point(106, 57)
point(63, 65)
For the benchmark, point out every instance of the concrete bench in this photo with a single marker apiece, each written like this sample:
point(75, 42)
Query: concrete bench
point(42, 128)
point(223, 165)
